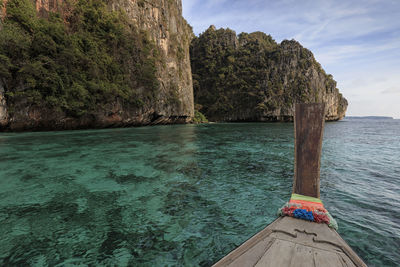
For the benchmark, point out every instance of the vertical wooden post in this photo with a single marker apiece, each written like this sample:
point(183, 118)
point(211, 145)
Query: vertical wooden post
point(308, 128)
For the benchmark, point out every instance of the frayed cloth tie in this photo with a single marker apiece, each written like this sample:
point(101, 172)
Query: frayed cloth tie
point(307, 208)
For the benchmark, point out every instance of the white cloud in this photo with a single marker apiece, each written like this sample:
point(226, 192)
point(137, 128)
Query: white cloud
point(337, 53)
point(371, 90)
point(392, 90)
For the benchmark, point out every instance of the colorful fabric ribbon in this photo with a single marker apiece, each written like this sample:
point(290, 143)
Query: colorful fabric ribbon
point(307, 208)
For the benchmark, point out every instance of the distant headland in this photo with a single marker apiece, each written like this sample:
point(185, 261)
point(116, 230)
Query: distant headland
point(369, 117)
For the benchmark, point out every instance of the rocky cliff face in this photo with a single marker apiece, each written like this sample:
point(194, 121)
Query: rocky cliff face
point(3, 108)
point(252, 78)
point(162, 23)
point(163, 20)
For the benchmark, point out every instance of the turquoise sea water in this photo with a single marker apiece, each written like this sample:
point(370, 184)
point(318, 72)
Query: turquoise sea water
point(186, 195)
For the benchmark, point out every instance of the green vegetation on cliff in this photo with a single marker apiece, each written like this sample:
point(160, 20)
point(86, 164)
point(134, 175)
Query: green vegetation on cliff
point(75, 62)
point(251, 78)
point(199, 117)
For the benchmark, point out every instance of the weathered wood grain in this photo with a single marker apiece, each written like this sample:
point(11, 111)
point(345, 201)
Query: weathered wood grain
point(309, 128)
point(293, 242)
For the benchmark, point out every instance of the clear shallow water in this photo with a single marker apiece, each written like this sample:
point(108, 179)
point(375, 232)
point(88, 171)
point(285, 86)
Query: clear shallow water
point(188, 194)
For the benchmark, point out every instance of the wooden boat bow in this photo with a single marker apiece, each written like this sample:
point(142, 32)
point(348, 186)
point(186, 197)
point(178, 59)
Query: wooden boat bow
point(290, 241)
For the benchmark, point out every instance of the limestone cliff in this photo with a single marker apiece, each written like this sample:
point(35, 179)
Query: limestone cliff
point(252, 78)
point(163, 20)
point(157, 22)
point(3, 108)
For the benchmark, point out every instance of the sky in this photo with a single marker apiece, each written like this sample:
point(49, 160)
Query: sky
point(357, 41)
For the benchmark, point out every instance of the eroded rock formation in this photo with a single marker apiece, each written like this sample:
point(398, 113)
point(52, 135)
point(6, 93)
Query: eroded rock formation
point(235, 78)
point(252, 78)
point(161, 22)
point(3, 108)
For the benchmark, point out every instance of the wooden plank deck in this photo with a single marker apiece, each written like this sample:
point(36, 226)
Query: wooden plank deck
point(293, 242)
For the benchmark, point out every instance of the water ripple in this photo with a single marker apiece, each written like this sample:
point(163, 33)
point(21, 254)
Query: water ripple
point(186, 194)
